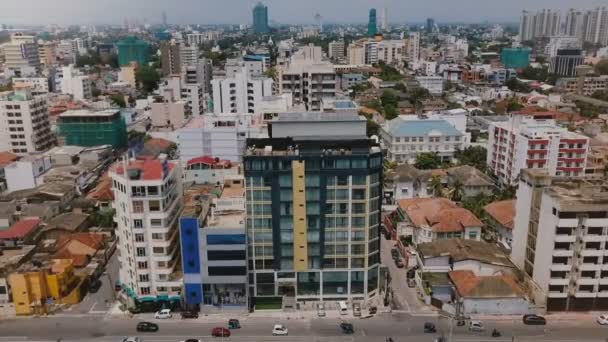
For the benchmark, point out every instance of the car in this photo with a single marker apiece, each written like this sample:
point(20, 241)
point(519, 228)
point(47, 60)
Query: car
point(279, 330)
point(534, 320)
point(411, 274)
point(220, 332)
point(132, 339)
point(147, 326)
point(135, 310)
point(192, 340)
point(189, 314)
point(94, 285)
point(356, 309)
point(429, 328)
point(372, 310)
point(476, 326)
point(163, 314)
point(399, 263)
point(347, 328)
point(395, 253)
point(321, 309)
point(411, 282)
point(602, 319)
point(234, 324)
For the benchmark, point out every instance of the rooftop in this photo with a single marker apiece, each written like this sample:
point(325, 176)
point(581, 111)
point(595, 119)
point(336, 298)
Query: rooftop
point(20, 229)
point(13, 257)
point(318, 116)
point(439, 214)
point(89, 113)
point(469, 176)
point(460, 250)
point(7, 158)
point(145, 170)
point(67, 221)
point(424, 127)
point(502, 211)
point(469, 285)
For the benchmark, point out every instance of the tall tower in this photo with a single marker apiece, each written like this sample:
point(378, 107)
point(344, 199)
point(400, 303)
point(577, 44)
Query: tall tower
point(372, 26)
point(260, 18)
point(383, 20)
point(319, 22)
point(430, 25)
point(164, 18)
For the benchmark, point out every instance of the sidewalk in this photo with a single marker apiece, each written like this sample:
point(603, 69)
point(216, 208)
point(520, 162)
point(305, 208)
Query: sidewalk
point(551, 317)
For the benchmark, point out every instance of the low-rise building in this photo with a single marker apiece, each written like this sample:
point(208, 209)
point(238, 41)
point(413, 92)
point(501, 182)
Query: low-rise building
point(209, 170)
point(472, 181)
point(500, 216)
point(89, 128)
point(585, 85)
point(434, 84)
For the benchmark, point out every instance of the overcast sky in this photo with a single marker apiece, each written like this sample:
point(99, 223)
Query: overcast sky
point(282, 11)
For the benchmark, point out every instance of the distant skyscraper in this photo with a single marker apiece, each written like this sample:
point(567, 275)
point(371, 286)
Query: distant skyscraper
point(430, 25)
point(383, 20)
point(164, 18)
point(372, 26)
point(319, 22)
point(260, 18)
point(544, 23)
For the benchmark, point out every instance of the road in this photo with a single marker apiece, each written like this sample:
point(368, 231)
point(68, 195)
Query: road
point(399, 326)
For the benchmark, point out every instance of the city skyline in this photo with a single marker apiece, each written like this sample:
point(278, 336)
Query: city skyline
point(286, 11)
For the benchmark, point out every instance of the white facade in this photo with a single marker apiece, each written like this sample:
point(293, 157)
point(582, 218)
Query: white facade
point(148, 202)
point(523, 142)
point(76, 84)
point(429, 68)
point(24, 122)
point(370, 51)
point(27, 173)
point(21, 56)
point(559, 240)
point(188, 55)
point(239, 93)
point(413, 47)
point(561, 42)
point(37, 84)
point(175, 88)
point(434, 84)
point(336, 50)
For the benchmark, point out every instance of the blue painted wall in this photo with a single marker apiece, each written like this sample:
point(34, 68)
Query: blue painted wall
point(191, 264)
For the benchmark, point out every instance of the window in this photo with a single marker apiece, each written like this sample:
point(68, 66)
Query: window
point(144, 277)
point(142, 265)
point(227, 270)
point(2, 290)
point(232, 239)
point(138, 223)
point(154, 205)
point(158, 250)
point(226, 255)
point(139, 238)
point(140, 251)
point(472, 235)
point(144, 290)
point(157, 236)
point(156, 222)
point(138, 207)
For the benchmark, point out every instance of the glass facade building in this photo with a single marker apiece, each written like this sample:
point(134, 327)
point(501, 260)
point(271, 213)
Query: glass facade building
point(260, 18)
point(515, 58)
point(372, 25)
point(313, 217)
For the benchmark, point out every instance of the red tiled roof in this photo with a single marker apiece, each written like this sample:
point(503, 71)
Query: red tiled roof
point(7, 158)
point(502, 211)
point(150, 169)
point(103, 190)
point(469, 285)
point(440, 214)
point(92, 240)
point(209, 161)
point(19, 229)
point(159, 143)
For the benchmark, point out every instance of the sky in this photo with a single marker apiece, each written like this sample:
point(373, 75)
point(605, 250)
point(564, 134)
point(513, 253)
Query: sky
point(30, 12)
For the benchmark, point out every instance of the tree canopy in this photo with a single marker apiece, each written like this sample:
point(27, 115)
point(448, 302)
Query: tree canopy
point(602, 67)
point(473, 156)
point(147, 77)
point(427, 160)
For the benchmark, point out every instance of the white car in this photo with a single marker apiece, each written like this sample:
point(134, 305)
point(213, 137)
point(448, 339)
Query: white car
point(163, 314)
point(476, 326)
point(320, 309)
point(132, 339)
point(279, 329)
point(602, 320)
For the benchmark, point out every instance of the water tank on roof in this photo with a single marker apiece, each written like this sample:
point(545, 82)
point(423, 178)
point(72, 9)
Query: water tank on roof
point(133, 174)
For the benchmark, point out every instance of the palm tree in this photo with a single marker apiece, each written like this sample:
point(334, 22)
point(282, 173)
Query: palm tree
point(456, 191)
point(436, 187)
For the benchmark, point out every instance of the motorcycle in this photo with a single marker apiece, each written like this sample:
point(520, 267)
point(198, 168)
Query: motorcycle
point(495, 333)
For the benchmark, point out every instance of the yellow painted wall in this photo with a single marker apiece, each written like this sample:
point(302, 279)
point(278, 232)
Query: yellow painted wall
point(27, 289)
point(300, 238)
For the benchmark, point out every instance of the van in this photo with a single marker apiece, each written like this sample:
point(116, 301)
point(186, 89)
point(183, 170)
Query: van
point(343, 307)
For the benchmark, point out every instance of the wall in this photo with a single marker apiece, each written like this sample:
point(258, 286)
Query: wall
point(496, 306)
point(28, 288)
point(189, 242)
point(479, 268)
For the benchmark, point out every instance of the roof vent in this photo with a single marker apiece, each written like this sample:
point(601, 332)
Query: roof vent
point(134, 174)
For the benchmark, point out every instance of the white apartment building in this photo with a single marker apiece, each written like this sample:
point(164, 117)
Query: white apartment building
point(198, 38)
point(188, 55)
point(254, 68)
point(434, 84)
point(590, 84)
point(239, 92)
point(308, 78)
point(336, 50)
point(21, 57)
point(24, 122)
point(559, 240)
point(148, 203)
point(406, 136)
point(75, 83)
point(429, 68)
point(174, 88)
point(413, 47)
point(526, 142)
point(37, 84)
point(561, 42)
point(219, 135)
point(370, 51)
point(47, 52)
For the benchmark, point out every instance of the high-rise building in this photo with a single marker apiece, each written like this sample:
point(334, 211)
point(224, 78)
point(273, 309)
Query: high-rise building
point(430, 25)
point(132, 49)
point(596, 28)
point(240, 92)
point(88, 128)
point(21, 57)
point(534, 141)
point(413, 47)
point(544, 23)
point(574, 25)
point(371, 51)
point(383, 20)
point(515, 58)
point(372, 25)
point(319, 22)
point(47, 52)
point(336, 50)
point(201, 73)
point(76, 83)
point(313, 220)
point(25, 119)
point(562, 42)
point(260, 18)
point(148, 203)
point(559, 236)
point(170, 58)
point(565, 61)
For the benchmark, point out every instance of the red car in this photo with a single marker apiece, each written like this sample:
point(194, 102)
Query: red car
point(220, 332)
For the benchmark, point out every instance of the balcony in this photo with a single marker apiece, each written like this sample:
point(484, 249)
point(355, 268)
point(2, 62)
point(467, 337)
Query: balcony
point(592, 252)
point(594, 238)
point(555, 294)
point(587, 281)
point(560, 267)
point(585, 294)
point(569, 223)
point(563, 253)
point(559, 281)
point(596, 222)
point(590, 267)
point(565, 238)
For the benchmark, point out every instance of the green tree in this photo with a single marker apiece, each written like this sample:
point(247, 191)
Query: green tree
point(476, 203)
point(505, 193)
point(435, 186)
point(456, 191)
point(372, 128)
point(103, 218)
point(600, 95)
point(388, 97)
point(119, 100)
point(473, 156)
point(517, 86)
point(602, 67)
point(390, 112)
point(427, 161)
point(388, 73)
point(147, 77)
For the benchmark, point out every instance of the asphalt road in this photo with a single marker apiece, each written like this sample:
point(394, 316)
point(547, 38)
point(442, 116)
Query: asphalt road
point(401, 327)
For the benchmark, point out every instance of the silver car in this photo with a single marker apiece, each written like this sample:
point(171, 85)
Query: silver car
point(320, 309)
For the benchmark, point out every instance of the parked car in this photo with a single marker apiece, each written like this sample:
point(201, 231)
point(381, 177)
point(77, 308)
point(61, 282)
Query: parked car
point(147, 327)
point(220, 332)
point(399, 263)
point(411, 273)
point(372, 310)
point(411, 282)
point(117, 286)
point(534, 320)
point(321, 309)
point(192, 340)
point(395, 253)
point(347, 328)
point(135, 310)
point(476, 326)
point(163, 314)
point(356, 309)
point(279, 330)
point(602, 319)
point(234, 324)
point(189, 314)
point(94, 285)
point(429, 328)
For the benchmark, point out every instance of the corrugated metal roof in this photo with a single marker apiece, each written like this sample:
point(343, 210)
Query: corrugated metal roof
point(417, 128)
